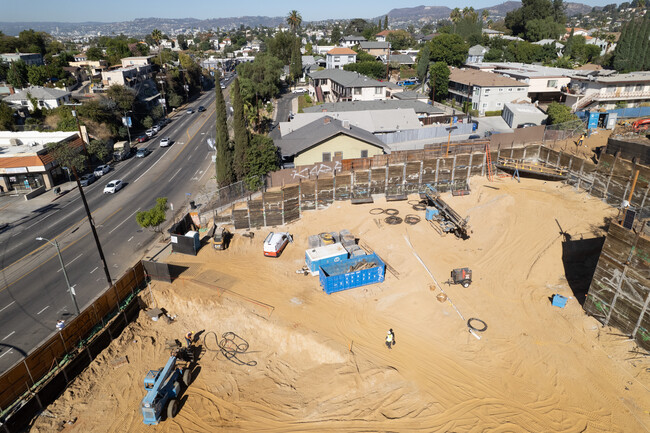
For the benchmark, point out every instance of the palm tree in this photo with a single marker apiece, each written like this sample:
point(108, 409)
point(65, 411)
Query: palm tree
point(455, 15)
point(157, 36)
point(485, 14)
point(294, 20)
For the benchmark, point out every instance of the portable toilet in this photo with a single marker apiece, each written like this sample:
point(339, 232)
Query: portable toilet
point(316, 257)
point(195, 235)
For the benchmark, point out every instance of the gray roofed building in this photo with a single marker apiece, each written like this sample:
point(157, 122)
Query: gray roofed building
point(375, 48)
point(302, 145)
point(421, 108)
point(350, 41)
point(339, 85)
point(46, 97)
point(402, 59)
point(476, 54)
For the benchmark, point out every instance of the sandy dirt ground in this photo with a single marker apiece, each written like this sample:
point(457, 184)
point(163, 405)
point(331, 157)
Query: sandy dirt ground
point(318, 362)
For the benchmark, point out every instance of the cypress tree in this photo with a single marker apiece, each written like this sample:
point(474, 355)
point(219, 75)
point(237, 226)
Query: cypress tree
point(224, 157)
point(635, 46)
point(386, 22)
point(242, 137)
point(644, 55)
point(621, 52)
point(296, 62)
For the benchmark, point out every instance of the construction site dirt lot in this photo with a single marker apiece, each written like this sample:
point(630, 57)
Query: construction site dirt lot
point(318, 362)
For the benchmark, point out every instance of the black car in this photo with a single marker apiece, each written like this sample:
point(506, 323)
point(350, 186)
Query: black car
point(201, 108)
point(87, 179)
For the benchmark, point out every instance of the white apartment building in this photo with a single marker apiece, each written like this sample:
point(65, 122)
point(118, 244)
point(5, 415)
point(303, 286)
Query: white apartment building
point(337, 85)
point(338, 57)
point(485, 91)
point(607, 89)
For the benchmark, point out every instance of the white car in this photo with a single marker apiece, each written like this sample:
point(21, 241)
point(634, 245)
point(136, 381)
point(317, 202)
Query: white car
point(102, 170)
point(165, 142)
point(150, 133)
point(113, 186)
point(299, 90)
point(156, 127)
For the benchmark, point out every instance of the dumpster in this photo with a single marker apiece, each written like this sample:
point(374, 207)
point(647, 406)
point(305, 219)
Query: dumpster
point(351, 273)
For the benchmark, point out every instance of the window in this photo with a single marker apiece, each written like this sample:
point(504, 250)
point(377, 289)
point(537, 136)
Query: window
point(327, 157)
point(377, 90)
point(520, 89)
point(551, 83)
point(509, 89)
point(350, 58)
point(338, 155)
point(498, 104)
point(357, 90)
point(500, 89)
point(487, 91)
point(475, 106)
point(484, 104)
point(337, 58)
point(364, 153)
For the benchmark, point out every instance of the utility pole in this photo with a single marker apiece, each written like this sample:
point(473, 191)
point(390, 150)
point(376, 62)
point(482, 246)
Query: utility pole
point(73, 295)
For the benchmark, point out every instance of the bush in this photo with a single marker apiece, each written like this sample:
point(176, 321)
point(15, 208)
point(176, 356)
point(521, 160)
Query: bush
point(493, 113)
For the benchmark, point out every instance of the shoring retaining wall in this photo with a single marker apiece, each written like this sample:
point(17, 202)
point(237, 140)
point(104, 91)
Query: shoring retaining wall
point(619, 294)
point(58, 358)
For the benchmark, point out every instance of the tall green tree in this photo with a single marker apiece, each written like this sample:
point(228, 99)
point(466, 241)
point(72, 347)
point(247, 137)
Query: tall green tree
point(448, 48)
point(294, 20)
point(154, 217)
point(423, 62)
point(632, 52)
point(17, 74)
point(124, 97)
point(241, 131)
point(262, 158)
point(386, 22)
point(296, 63)
point(439, 80)
point(282, 46)
point(6, 117)
point(224, 166)
point(537, 17)
point(559, 113)
point(335, 37)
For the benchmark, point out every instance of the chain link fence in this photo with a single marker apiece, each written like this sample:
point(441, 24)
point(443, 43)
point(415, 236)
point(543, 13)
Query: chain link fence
point(564, 131)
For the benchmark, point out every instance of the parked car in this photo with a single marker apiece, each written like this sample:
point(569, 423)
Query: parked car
point(165, 142)
point(156, 127)
point(201, 108)
point(474, 136)
point(526, 125)
point(300, 90)
point(190, 110)
point(113, 186)
point(142, 152)
point(223, 86)
point(102, 170)
point(275, 243)
point(150, 133)
point(142, 139)
point(87, 179)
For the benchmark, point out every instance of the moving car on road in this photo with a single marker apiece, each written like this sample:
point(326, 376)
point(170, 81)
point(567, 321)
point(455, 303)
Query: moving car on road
point(142, 152)
point(190, 110)
point(87, 179)
point(201, 108)
point(113, 186)
point(165, 142)
point(141, 139)
point(102, 170)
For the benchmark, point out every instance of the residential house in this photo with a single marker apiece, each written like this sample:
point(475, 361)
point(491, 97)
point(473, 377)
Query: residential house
point(46, 97)
point(351, 41)
point(607, 90)
point(322, 49)
point(421, 39)
point(604, 46)
point(29, 58)
point(577, 31)
point(339, 57)
point(136, 61)
point(401, 59)
point(476, 54)
point(377, 49)
point(381, 36)
point(485, 91)
point(516, 114)
point(558, 46)
point(128, 76)
point(25, 163)
point(335, 85)
point(544, 83)
point(327, 139)
point(422, 109)
point(492, 33)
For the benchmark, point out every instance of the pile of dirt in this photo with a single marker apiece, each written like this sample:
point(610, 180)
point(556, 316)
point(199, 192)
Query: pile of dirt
point(318, 363)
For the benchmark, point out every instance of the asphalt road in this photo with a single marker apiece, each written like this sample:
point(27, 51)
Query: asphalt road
point(33, 293)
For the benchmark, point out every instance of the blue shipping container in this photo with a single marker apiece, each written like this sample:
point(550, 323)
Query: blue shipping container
point(336, 277)
point(319, 256)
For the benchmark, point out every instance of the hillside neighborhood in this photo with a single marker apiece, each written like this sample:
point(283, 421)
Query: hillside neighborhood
point(160, 162)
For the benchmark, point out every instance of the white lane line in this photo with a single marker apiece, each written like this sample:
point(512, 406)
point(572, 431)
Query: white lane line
point(7, 306)
point(5, 353)
point(43, 309)
point(130, 239)
point(96, 267)
point(70, 262)
point(170, 179)
point(9, 335)
point(189, 157)
point(146, 171)
point(43, 219)
point(125, 220)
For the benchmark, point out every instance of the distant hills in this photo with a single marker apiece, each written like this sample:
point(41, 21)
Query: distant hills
point(143, 26)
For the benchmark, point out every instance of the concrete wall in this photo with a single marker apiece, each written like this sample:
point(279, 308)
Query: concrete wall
point(349, 146)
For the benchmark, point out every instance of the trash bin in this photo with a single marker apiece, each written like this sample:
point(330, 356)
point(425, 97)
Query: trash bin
point(192, 205)
point(57, 190)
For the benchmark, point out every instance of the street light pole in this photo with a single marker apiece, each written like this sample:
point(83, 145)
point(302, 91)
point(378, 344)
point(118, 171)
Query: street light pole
point(65, 274)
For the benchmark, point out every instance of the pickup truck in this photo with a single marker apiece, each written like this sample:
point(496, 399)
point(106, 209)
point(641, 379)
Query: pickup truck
point(121, 150)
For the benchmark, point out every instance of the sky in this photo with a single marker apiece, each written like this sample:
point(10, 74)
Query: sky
point(126, 10)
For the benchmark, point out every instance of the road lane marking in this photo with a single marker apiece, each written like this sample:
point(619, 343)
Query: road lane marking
point(60, 269)
point(5, 353)
point(7, 306)
point(51, 257)
point(170, 179)
point(152, 166)
point(43, 309)
point(9, 335)
point(43, 219)
point(130, 239)
point(125, 220)
point(96, 267)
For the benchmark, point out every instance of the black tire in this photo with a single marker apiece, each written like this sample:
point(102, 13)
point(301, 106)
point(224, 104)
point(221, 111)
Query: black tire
point(391, 212)
point(465, 283)
point(172, 408)
point(187, 376)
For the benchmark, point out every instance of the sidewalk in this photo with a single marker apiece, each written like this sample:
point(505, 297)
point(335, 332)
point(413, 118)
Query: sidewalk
point(15, 207)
